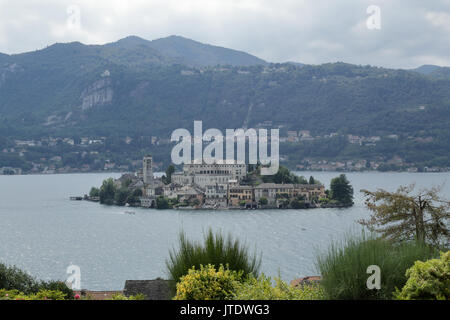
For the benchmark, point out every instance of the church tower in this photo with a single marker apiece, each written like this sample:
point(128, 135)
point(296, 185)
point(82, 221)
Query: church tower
point(147, 170)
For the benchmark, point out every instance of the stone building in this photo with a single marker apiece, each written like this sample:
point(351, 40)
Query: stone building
point(147, 170)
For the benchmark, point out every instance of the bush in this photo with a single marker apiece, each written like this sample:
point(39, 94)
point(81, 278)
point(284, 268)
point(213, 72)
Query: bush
point(427, 280)
point(216, 250)
point(344, 266)
point(13, 278)
point(207, 283)
point(261, 289)
point(40, 295)
point(297, 204)
point(119, 296)
point(58, 286)
point(162, 203)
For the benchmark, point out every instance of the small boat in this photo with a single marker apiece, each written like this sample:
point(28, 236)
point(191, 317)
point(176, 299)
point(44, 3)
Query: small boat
point(129, 212)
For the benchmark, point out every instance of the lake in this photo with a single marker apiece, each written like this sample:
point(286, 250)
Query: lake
point(43, 232)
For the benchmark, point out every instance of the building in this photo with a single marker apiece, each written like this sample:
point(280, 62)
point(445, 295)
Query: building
point(216, 195)
point(238, 195)
point(147, 170)
point(203, 175)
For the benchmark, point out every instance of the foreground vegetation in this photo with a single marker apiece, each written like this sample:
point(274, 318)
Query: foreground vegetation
point(215, 250)
point(344, 266)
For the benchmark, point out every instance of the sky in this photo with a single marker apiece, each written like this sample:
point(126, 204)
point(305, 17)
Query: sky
point(387, 33)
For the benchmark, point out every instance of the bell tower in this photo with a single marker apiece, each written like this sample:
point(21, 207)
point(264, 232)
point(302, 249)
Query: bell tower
point(147, 169)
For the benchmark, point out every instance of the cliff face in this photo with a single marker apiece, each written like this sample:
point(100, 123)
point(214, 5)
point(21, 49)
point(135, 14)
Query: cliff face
point(98, 94)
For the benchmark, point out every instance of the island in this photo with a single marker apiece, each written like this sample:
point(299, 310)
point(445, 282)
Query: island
point(220, 186)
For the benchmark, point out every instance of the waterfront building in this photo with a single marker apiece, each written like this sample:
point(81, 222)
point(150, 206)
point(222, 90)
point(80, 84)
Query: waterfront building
point(203, 175)
point(216, 195)
point(240, 196)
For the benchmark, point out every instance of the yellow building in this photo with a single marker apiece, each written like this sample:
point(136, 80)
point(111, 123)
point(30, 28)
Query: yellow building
point(240, 194)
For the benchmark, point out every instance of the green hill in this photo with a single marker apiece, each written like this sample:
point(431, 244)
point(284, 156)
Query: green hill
point(136, 87)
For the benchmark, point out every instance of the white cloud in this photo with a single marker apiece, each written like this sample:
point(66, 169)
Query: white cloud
point(303, 30)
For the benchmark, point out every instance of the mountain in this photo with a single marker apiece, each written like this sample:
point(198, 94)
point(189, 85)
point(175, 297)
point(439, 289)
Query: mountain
point(135, 87)
point(426, 69)
point(433, 71)
point(193, 53)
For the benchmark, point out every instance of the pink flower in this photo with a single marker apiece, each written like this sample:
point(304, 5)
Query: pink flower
point(6, 295)
point(77, 296)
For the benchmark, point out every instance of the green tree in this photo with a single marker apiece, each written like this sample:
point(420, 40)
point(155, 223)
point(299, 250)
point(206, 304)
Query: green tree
point(121, 196)
point(134, 196)
point(311, 180)
point(162, 203)
point(95, 192)
point(341, 190)
point(169, 171)
point(402, 215)
point(284, 176)
point(107, 192)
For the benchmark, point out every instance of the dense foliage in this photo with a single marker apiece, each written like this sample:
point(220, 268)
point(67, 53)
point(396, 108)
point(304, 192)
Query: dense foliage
point(13, 278)
point(344, 266)
point(215, 250)
point(40, 295)
point(341, 190)
point(208, 283)
point(428, 280)
point(262, 288)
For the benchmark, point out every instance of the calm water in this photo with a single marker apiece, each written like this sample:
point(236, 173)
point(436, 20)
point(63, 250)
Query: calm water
point(43, 232)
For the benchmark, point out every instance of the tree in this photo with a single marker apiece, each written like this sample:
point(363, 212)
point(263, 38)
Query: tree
point(167, 178)
point(134, 196)
point(341, 190)
point(284, 176)
point(121, 196)
point(95, 192)
point(402, 215)
point(162, 203)
point(107, 192)
point(311, 180)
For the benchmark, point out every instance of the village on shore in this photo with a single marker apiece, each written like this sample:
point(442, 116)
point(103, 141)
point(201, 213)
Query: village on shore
point(217, 186)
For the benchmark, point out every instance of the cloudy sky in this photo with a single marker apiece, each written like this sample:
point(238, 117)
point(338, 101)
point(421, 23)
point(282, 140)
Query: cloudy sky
point(411, 32)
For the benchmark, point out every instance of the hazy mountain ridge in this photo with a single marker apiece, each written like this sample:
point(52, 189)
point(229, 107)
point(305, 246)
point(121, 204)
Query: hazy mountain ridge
point(135, 86)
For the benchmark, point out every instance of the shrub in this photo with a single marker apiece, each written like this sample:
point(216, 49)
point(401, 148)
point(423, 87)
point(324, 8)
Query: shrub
point(261, 288)
point(344, 266)
point(207, 283)
point(162, 203)
point(40, 295)
point(263, 201)
point(119, 296)
point(48, 295)
point(14, 278)
point(215, 250)
point(297, 204)
point(58, 286)
point(427, 280)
